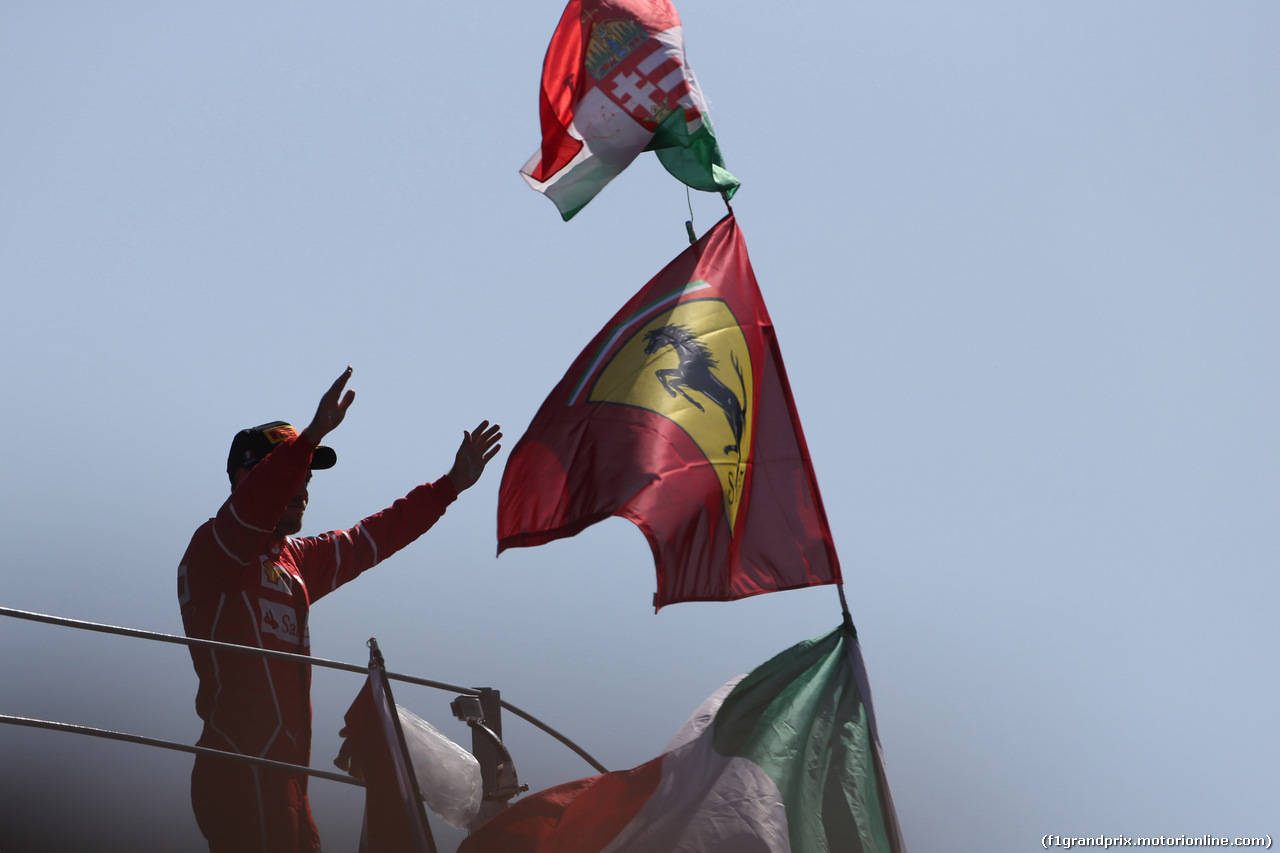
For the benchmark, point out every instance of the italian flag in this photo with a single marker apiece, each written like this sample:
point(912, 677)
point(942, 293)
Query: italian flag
point(615, 83)
point(785, 758)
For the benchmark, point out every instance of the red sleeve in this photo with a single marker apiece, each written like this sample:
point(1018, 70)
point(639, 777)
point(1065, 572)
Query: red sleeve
point(330, 560)
point(245, 523)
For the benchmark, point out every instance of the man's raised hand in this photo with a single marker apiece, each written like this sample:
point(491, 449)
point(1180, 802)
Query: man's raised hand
point(332, 409)
point(477, 448)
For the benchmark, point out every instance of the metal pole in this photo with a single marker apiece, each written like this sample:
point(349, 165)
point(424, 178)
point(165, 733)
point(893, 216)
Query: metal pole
point(303, 659)
point(230, 647)
point(376, 660)
point(31, 722)
point(481, 747)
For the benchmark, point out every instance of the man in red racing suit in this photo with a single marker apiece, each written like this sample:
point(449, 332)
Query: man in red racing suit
point(246, 579)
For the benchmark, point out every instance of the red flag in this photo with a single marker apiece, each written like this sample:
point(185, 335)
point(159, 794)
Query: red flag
point(679, 417)
point(395, 821)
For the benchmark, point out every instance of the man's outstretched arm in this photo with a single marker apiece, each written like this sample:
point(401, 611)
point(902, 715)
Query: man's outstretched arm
point(337, 557)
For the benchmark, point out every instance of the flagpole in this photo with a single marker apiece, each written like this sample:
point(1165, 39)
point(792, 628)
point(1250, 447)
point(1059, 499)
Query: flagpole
point(688, 223)
point(844, 608)
point(376, 662)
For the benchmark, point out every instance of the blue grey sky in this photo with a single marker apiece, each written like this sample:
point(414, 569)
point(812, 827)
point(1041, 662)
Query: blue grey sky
point(1022, 261)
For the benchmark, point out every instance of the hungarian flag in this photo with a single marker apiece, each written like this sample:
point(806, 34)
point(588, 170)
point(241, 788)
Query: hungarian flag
point(615, 83)
point(678, 416)
point(786, 758)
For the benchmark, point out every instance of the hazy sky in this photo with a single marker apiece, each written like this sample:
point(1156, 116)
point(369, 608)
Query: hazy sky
point(1022, 259)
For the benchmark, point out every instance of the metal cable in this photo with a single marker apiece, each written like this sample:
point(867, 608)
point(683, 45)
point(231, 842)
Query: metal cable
point(304, 659)
point(31, 722)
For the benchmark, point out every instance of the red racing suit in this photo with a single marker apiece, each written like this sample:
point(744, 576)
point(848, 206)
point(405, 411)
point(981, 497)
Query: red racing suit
point(240, 583)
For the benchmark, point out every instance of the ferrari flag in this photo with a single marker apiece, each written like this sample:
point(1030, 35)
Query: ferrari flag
point(615, 83)
point(783, 760)
point(678, 416)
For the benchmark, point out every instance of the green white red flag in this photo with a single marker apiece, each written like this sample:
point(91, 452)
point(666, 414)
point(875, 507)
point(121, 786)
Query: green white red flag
point(678, 416)
point(615, 83)
point(785, 760)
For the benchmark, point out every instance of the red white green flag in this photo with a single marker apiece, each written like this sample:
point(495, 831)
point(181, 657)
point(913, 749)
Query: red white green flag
point(678, 416)
point(786, 759)
point(614, 83)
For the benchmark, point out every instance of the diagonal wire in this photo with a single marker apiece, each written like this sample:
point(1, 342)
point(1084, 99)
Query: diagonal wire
point(303, 659)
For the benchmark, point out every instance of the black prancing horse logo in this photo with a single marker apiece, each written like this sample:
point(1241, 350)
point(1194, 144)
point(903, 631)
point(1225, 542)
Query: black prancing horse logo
point(695, 371)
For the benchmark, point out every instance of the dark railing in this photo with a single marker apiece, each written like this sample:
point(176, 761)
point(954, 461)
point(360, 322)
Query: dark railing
point(213, 644)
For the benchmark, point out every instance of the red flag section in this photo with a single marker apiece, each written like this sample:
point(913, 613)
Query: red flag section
point(576, 817)
point(679, 417)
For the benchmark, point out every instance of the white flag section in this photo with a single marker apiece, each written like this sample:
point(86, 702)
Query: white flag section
point(707, 801)
point(784, 760)
point(448, 776)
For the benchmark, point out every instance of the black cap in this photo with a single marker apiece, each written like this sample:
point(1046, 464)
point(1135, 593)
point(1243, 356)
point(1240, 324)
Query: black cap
point(251, 446)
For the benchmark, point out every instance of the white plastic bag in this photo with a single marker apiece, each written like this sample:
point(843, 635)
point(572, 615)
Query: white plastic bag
point(448, 775)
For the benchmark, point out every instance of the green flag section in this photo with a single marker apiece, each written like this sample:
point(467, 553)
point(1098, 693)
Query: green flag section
point(615, 83)
point(784, 760)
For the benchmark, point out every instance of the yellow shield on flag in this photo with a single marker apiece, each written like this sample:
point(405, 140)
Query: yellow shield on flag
point(691, 365)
